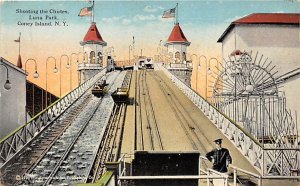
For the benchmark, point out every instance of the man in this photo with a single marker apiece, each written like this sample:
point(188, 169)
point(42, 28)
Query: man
point(220, 157)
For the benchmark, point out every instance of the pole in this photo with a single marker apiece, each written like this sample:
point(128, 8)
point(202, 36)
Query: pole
point(70, 75)
point(176, 13)
point(206, 78)
point(197, 77)
point(129, 53)
point(93, 12)
point(20, 43)
point(61, 72)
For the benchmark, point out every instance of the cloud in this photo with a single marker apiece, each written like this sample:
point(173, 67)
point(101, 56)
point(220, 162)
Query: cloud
point(111, 19)
point(126, 21)
point(149, 9)
point(140, 17)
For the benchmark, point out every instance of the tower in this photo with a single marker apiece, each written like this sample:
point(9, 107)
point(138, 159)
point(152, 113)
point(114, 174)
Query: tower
point(93, 54)
point(177, 51)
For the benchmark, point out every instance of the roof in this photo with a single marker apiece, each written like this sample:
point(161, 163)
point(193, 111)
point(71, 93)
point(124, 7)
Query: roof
point(264, 18)
point(93, 36)
point(177, 36)
point(9, 64)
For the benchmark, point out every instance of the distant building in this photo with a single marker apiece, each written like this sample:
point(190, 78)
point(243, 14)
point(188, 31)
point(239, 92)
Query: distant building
point(276, 36)
point(12, 101)
point(93, 45)
point(177, 51)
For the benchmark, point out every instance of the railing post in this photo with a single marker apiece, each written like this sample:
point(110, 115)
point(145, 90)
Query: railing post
point(234, 176)
point(199, 171)
point(259, 181)
point(208, 181)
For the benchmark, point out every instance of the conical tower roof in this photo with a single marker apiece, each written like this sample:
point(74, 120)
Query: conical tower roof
point(177, 36)
point(93, 36)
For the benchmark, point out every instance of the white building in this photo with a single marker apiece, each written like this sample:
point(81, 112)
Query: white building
point(177, 45)
point(177, 51)
point(13, 100)
point(94, 54)
point(276, 36)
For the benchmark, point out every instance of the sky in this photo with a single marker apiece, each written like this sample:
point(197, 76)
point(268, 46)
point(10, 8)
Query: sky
point(202, 22)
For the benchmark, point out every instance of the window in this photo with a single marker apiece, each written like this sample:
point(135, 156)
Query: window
point(177, 57)
point(100, 59)
point(183, 56)
point(92, 57)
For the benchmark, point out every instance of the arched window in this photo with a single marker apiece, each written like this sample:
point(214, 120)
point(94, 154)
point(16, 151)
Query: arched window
point(92, 57)
point(183, 56)
point(85, 58)
point(100, 59)
point(177, 57)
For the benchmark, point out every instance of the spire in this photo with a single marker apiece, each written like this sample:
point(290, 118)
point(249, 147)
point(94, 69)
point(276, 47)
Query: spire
point(177, 36)
point(93, 36)
point(19, 62)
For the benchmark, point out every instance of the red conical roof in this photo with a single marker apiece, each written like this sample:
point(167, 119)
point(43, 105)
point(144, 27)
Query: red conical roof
point(19, 62)
point(93, 36)
point(177, 36)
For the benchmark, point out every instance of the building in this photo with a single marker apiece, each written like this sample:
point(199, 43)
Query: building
point(13, 100)
point(177, 51)
point(276, 37)
point(93, 45)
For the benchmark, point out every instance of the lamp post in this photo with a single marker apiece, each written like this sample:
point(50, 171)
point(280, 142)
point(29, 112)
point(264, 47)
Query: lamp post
point(130, 48)
point(196, 70)
point(35, 75)
point(55, 70)
point(68, 65)
point(71, 68)
point(209, 71)
point(202, 56)
point(7, 84)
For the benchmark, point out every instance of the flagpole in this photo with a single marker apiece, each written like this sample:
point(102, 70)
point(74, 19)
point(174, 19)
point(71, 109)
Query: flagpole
point(176, 13)
point(93, 11)
point(20, 43)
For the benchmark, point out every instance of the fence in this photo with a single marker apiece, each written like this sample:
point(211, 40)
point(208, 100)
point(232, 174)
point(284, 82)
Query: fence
point(265, 160)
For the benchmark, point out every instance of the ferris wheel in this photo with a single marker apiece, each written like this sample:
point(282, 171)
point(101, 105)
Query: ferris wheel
point(245, 76)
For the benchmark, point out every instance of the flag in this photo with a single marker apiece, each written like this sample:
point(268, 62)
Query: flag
point(87, 11)
point(169, 13)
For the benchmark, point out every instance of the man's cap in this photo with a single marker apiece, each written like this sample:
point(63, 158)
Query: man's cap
point(218, 141)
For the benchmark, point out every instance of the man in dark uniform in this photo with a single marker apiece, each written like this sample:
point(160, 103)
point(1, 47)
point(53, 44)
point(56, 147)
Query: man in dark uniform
point(220, 157)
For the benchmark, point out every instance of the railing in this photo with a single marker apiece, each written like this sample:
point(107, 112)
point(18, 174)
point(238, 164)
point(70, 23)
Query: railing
point(95, 66)
point(15, 141)
point(235, 177)
point(259, 156)
point(179, 65)
point(217, 178)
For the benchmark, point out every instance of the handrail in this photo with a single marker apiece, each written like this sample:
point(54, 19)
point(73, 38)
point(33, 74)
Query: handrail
point(233, 122)
point(244, 171)
point(40, 113)
point(36, 116)
point(16, 140)
point(223, 176)
point(259, 156)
